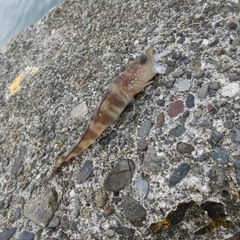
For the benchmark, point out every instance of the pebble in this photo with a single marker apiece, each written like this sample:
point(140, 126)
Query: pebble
point(228, 124)
point(203, 91)
point(220, 155)
point(142, 187)
point(76, 208)
point(120, 176)
point(142, 145)
point(236, 163)
point(238, 177)
point(125, 231)
point(54, 223)
point(175, 108)
point(169, 84)
point(17, 165)
point(109, 233)
point(215, 85)
point(160, 120)
point(152, 163)
point(145, 129)
point(79, 111)
point(26, 236)
point(233, 77)
point(6, 234)
point(198, 113)
point(18, 213)
point(161, 102)
point(133, 211)
point(217, 177)
point(177, 131)
point(231, 90)
point(179, 174)
point(184, 85)
point(43, 208)
point(185, 148)
point(210, 107)
point(178, 73)
point(214, 43)
point(65, 223)
point(85, 172)
point(235, 134)
point(101, 197)
point(217, 136)
point(190, 101)
point(232, 26)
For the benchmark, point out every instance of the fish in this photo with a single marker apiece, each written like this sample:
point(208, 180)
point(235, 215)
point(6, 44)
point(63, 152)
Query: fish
point(121, 92)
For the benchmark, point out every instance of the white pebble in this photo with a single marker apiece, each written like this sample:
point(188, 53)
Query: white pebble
point(231, 90)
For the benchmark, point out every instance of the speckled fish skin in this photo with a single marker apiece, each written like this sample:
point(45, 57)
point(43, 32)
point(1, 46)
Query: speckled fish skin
point(114, 101)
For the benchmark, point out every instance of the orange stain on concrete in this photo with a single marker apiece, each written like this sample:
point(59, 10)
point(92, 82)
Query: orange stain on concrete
point(15, 86)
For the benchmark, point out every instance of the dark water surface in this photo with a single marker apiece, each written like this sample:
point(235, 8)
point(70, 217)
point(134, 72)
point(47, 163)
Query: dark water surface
point(18, 15)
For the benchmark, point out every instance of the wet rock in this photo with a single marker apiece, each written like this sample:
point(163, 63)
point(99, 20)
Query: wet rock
point(184, 85)
point(17, 165)
point(85, 172)
point(203, 91)
point(190, 101)
point(142, 145)
point(220, 155)
point(101, 198)
point(145, 129)
point(179, 174)
point(175, 108)
point(177, 131)
point(217, 177)
point(160, 120)
point(6, 234)
point(231, 90)
point(54, 223)
point(217, 136)
point(169, 84)
point(42, 209)
point(26, 236)
point(235, 134)
point(133, 211)
point(236, 163)
point(142, 186)
point(161, 102)
point(185, 148)
point(120, 176)
point(125, 231)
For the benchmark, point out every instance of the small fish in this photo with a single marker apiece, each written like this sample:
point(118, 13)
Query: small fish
point(129, 83)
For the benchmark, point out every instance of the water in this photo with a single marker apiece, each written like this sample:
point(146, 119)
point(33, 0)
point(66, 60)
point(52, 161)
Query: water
point(18, 15)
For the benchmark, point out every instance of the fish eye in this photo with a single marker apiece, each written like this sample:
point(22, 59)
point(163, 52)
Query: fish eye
point(143, 59)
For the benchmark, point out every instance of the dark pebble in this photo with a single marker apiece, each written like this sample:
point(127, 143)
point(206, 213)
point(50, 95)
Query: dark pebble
point(217, 136)
point(18, 213)
point(54, 222)
point(220, 155)
point(238, 177)
point(185, 148)
point(236, 163)
point(17, 165)
point(85, 172)
point(6, 234)
point(175, 108)
point(179, 174)
point(160, 120)
point(120, 176)
point(214, 43)
point(233, 78)
point(26, 236)
point(203, 157)
point(142, 145)
point(217, 177)
point(161, 102)
point(133, 211)
point(232, 26)
point(125, 231)
point(235, 134)
point(177, 131)
point(190, 101)
point(228, 124)
point(169, 84)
